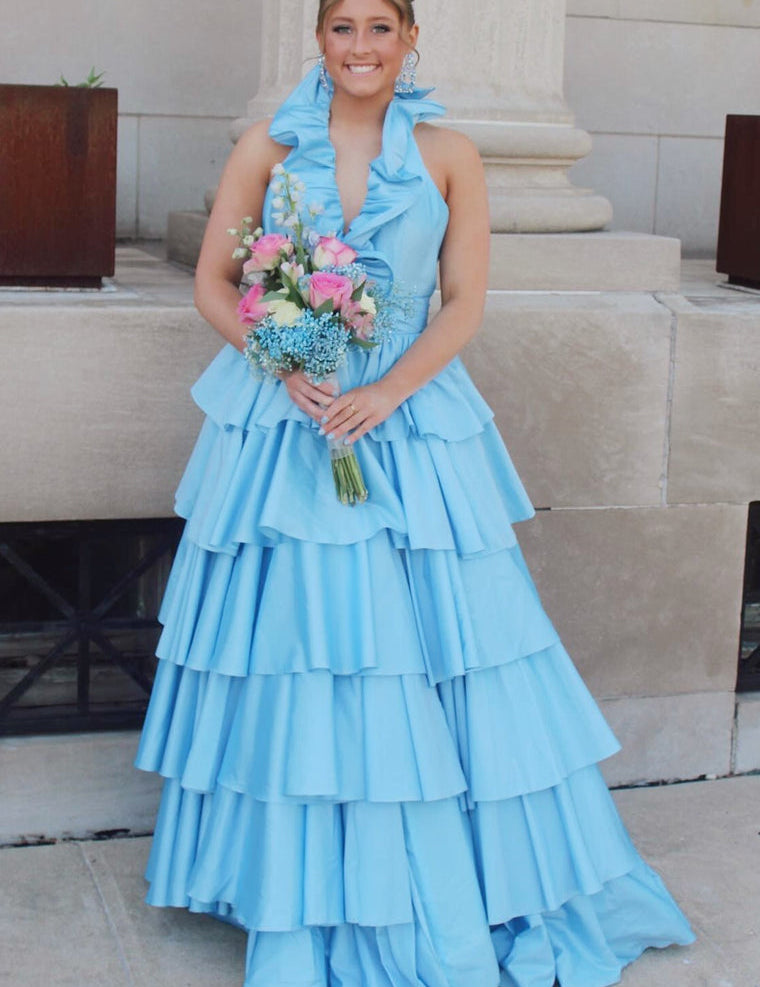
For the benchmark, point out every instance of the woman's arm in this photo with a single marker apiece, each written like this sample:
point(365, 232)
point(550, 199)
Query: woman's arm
point(464, 279)
point(217, 276)
point(241, 193)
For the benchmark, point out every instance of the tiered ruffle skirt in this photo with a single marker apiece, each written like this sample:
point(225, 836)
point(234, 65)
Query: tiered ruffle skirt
point(379, 758)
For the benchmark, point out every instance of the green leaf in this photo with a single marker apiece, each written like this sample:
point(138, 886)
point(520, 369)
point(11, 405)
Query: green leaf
point(358, 292)
point(324, 309)
point(294, 295)
point(364, 344)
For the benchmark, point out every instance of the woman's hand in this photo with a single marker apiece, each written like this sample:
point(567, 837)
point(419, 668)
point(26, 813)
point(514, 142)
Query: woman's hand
point(354, 413)
point(312, 398)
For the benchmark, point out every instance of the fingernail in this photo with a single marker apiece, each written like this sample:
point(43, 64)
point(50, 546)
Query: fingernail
point(323, 419)
point(321, 431)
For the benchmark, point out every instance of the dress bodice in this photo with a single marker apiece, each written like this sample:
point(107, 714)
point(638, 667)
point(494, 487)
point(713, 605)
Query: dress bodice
point(400, 228)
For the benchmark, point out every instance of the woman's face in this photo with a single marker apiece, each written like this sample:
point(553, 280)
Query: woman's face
point(364, 42)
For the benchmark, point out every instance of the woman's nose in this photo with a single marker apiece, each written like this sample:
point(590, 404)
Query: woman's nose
point(362, 41)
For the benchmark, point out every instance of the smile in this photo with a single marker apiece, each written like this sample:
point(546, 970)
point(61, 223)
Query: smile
point(362, 69)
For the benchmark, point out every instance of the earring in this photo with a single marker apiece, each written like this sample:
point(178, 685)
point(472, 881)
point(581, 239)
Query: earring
point(324, 79)
point(407, 80)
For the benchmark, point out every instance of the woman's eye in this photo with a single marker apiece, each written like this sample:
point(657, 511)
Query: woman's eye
point(341, 29)
point(382, 28)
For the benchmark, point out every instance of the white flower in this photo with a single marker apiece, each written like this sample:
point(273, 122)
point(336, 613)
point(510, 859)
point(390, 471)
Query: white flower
point(278, 170)
point(367, 303)
point(239, 253)
point(290, 222)
point(278, 202)
point(233, 232)
point(247, 220)
point(316, 209)
point(284, 313)
point(248, 240)
point(292, 271)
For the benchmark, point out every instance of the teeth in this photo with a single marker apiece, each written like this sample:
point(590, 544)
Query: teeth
point(361, 69)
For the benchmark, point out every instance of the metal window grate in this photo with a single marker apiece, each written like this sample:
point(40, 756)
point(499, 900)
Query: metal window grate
point(78, 621)
point(749, 651)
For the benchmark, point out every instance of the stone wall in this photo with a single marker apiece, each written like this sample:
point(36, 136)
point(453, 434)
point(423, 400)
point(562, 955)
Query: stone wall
point(183, 75)
point(648, 78)
point(632, 419)
point(653, 80)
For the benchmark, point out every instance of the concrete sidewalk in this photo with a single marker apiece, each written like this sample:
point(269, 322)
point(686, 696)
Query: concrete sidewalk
point(72, 914)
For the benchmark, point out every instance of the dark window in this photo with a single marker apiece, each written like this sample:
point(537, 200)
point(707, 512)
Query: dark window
point(749, 652)
point(78, 621)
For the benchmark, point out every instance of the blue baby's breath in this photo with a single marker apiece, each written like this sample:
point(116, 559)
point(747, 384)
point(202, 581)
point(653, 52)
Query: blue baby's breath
point(315, 345)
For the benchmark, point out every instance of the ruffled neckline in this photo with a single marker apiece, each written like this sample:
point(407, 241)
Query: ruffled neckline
point(395, 175)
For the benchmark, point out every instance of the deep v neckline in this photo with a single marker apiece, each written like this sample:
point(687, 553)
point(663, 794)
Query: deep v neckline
point(345, 228)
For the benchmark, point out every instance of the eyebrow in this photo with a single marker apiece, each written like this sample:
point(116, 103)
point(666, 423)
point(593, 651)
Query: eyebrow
point(382, 19)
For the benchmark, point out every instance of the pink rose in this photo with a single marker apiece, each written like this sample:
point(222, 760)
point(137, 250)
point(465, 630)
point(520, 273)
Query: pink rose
point(250, 307)
point(360, 321)
point(267, 252)
point(332, 252)
point(324, 286)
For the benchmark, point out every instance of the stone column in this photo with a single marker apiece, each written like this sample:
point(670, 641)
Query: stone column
point(498, 67)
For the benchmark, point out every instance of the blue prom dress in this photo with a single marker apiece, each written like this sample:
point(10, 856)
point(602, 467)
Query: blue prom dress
point(379, 759)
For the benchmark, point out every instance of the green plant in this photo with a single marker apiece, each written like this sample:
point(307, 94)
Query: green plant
point(93, 80)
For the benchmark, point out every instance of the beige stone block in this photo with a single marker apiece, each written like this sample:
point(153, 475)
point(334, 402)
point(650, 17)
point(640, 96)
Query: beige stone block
point(126, 177)
point(647, 602)
point(53, 927)
point(623, 167)
point(179, 159)
point(715, 431)
point(184, 235)
point(96, 405)
point(579, 386)
point(747, 746)
point(738, 13)
point(670, 738)
point(161, 945)
point(650, 77)
point(689, 187)
point(74, 786)
point(164, 58)
point(607, 261)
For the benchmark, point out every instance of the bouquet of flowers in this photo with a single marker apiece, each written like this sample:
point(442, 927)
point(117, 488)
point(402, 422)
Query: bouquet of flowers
point(307, 302)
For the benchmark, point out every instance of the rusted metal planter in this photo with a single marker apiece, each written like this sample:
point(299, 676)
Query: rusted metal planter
point(57, 185)
point(739, 233)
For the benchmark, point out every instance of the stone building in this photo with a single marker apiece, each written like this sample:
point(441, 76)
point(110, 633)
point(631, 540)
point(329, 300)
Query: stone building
point(626, 392)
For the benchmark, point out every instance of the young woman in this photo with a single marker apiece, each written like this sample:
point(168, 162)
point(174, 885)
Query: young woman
point(379, 758)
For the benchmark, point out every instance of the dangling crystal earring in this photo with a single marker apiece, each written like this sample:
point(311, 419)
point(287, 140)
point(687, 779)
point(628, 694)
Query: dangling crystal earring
point(324, 79)
point(407, 80)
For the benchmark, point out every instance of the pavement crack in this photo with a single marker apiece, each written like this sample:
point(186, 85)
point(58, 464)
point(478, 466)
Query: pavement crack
point(112, 924)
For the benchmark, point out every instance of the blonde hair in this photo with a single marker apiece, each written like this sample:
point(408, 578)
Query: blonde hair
point(405, 10)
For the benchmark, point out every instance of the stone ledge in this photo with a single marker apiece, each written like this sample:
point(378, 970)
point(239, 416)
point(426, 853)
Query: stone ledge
point(74, 786)
point(184, 233)
point(607, 261)
point(670, 738)
point(528, 261)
